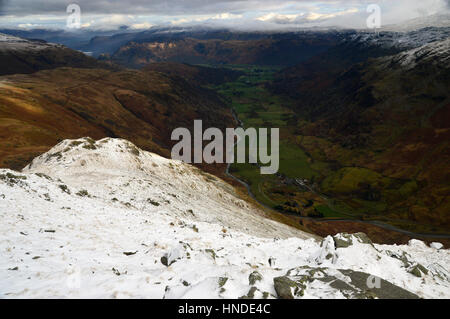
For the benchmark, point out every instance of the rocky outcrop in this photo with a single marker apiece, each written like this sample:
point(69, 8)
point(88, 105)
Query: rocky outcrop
point(313, 282)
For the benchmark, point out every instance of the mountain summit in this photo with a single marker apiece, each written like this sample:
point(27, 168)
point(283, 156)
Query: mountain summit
point(107, 219)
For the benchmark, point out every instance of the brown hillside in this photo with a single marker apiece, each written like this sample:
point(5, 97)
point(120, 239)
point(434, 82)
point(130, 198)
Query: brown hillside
point(39, 110)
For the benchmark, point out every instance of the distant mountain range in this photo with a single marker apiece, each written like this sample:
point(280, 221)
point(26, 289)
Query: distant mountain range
point(98, 42)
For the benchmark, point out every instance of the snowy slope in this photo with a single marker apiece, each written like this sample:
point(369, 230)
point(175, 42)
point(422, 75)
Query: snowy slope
point(400, 40)
point(436, 53)
point(106, 219)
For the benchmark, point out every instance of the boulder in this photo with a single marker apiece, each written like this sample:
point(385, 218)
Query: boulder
point(436, 245)
point(336, 283)
point(345, 240)
point(254, 277)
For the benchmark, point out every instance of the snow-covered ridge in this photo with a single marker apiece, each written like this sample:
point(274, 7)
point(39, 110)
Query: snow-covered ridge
point(400, 40)
point(12, 43)
point(115, 168)
point(435, 53)
point(106, 219)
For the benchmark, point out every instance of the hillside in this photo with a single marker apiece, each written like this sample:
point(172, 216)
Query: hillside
point(39, 110)
point(200, 75)
point(19, 55)
point(114, 221)
point(283, 50)
point(383, 124)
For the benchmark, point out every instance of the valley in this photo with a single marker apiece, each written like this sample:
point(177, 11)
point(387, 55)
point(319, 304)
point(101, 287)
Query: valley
point(301, 186)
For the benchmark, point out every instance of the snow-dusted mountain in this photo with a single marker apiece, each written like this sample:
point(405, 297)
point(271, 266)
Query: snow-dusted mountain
point(12, 43)
point(400, 40)
point(435, 53)
point(106, 219)
point(18, 55)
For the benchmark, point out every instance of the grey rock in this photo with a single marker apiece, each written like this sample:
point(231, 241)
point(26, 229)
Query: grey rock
point(345, 240)
point(254, 277)
point(284, 286)
point(418, 270)
point(351, 284)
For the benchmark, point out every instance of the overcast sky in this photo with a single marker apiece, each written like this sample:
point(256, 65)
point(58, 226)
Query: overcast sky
point(251, 14)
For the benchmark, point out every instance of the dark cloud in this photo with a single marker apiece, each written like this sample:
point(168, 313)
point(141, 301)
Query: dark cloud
point(167, 7)
point(26, 7)
point(2, 4)
point(164, 7)
point(134, 13)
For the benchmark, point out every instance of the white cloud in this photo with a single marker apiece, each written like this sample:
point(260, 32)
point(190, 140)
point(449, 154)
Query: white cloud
point(203, 18)
point(279, 18)
point(29, 26)
point(141, 26)
point(312, 16)
point(303, 17)
point(242, 14)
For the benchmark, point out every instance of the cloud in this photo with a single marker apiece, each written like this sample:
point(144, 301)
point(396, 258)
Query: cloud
point(2, 4)
point(166, 7)
point(141, 26)
point(221, 16)
point(134, 14)
point(303, 18)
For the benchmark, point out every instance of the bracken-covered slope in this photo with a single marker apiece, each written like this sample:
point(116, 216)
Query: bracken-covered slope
point(41, 109)
point(384, 123)
point(107, 219)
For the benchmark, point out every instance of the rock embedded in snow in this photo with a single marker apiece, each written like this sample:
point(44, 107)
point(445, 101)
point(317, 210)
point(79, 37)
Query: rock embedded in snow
point(312, 282)
point(172, 256)
point(436, 245)
point(103, 211)
point(254, 278)
point(416, 243)
point(344, 240)
point(326, 252)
